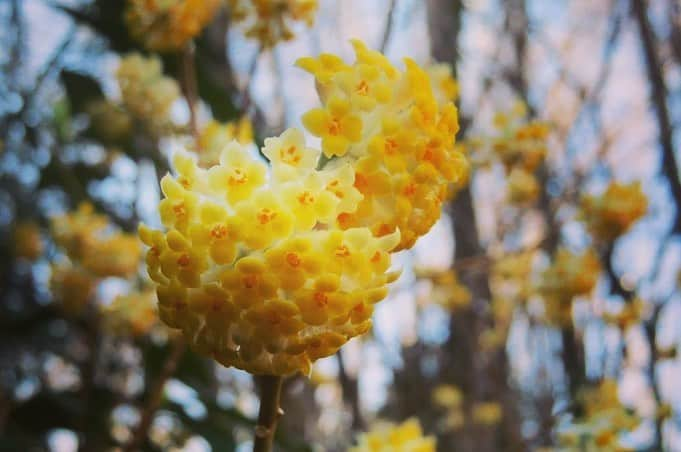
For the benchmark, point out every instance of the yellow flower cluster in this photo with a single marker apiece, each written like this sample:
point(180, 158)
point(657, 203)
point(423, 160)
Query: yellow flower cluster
point(108, 121)
point(146, 93)
point(389, 126)
point(270, 270)
point(93, 250)
point(132, 314)
point(603, 420)
point(72, 287)
point(269, 21)
point(27, 241)
point(167, 25)
point(445, 87)
point(252, 269)
point(611, 214)
point(446, 290)
point(569, 276)
point(214, 137)
point(520, 146)
point(406, 437)
point(449, 398)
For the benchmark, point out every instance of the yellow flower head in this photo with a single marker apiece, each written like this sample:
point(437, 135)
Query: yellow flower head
point(27, 241)
point(523, 187)
point(447, 290)
point(250, 266)
point(611, 214)
point(72, 287)
point(487, 413)
point(269, 21)
point(406, 437)
point(447, 396)
point(167, 25)
point(88, 240)
point(131, 314)
point(571, 275)
point(389, 125)
point(146, 93)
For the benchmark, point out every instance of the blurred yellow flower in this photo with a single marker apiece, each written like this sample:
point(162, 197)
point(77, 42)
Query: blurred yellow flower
point(270, 21)
point(405, 437)
point(27, 241)
point(167, 25)
point(146, 93)
point(447, 396)
point(486, 413)
point(611, 214)
point(132, 314)
point(72, 287)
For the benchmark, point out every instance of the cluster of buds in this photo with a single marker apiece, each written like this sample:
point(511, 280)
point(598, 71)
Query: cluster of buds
point(569, 276)
point(93, 251)
point(269, 21)
point(146, 94)
point(611, 214)
point(389, 126)
point(520, 146)
point(167, 25)
point(269, 269)
point(405, 437)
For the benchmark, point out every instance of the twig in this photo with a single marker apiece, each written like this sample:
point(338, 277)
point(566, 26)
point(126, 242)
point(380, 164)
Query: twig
point(388, 26)
point(246, 99)
point(189, 87)
point(658, 97)
point(155, 394)
point(350, 393)
point(270, 412)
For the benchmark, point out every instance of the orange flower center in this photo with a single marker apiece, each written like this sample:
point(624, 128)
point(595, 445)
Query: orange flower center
point(362, 88)
point(238, 177)
point(183, 260)
point(266, 215)
point(219, 231)
point(321, 299)
point(290, 155)
point(390, 146)
point(334, 127)
point(306, 198)
point(180, 210)
point(250, 281)
point(293, 259)
point(342, 251)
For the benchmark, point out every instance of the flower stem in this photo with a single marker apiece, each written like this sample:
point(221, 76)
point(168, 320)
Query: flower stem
point(270, 412)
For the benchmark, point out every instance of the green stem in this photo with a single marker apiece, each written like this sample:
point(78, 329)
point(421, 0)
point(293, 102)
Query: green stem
point(270, 412)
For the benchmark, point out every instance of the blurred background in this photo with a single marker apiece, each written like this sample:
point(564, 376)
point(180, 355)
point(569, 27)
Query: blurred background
point(542, 311)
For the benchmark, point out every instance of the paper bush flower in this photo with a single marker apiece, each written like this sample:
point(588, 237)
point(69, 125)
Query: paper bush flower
point(389, 126)
point(166, 25)
point(611, 214)
point(146, 93)
point(251, 268)
point(406, 437)
point(261, 267)
point(270, 21)
point(72, 287)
